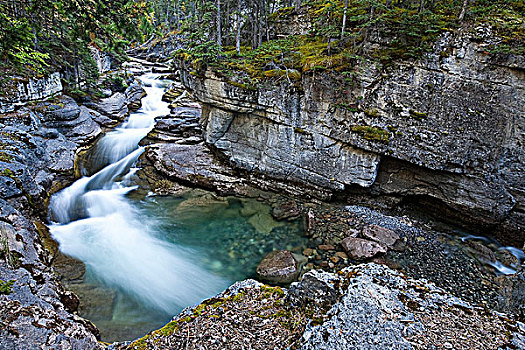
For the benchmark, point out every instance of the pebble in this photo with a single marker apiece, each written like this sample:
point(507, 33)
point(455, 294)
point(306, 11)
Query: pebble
point(326, 247)
point(308, 252)
point(335, 259)
point(341, 255)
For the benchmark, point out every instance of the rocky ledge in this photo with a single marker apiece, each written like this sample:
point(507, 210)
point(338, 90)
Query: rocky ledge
point(444, 132)
point(364, 307)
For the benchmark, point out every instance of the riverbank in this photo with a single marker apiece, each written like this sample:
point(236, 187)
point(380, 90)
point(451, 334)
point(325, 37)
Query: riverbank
point(175, 161)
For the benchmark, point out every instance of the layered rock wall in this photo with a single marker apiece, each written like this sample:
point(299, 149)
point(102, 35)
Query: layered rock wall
point(30, 90)
point(446, 130)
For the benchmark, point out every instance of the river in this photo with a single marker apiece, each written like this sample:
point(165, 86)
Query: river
point(147, 259)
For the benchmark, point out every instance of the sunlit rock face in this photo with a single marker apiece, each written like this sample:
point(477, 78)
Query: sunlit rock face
point(446, 130)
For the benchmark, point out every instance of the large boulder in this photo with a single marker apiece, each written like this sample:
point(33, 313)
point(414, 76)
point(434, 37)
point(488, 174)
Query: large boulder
point(362, 249)
point(380, 234)
point(278, 266)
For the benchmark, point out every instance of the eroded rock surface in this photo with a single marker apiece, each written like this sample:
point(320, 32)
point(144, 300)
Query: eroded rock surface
point(364, 307)
point(444, 132)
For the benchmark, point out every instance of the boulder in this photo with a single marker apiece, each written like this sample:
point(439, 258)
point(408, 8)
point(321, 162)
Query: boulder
point(361, 249)
point(279, 266)
point(380, 235)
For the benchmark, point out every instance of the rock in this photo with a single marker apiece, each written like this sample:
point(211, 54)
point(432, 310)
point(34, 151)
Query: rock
point(286, 210)
point(310, 223)
point(352, 233)
point(361, 249)
point(315, 287)
point(481, 251)
point(341, 255)
point(30, 90)
point(513, 293)
point(309, 252)
point(119, 105)
point(380, 235)
point(134, 94)
point(278, 266)
point(326, 247)
point(439, 134)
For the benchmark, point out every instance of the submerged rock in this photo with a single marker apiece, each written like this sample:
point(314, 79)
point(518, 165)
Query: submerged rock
point(279, 266)
point(286, 210)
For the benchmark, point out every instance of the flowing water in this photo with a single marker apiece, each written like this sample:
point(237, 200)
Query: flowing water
point(146, 260)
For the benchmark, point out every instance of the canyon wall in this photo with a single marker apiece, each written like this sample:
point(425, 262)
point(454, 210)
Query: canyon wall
point(446, 131)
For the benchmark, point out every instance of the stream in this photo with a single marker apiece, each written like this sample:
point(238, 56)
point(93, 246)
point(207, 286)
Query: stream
point(145, 260)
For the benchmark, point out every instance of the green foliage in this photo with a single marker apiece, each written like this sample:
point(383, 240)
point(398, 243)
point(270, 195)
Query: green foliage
point(38, 36)
point(6, 287)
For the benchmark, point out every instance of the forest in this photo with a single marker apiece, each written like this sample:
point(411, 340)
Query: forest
point(39, 36)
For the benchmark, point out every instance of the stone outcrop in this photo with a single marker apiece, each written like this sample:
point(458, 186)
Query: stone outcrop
point(118, 106)
point(364, 307)
point(362, 249)
point(30, 90)
point(445, 131)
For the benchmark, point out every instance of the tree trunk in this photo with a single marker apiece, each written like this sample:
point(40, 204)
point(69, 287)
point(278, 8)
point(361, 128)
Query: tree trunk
point(463, 10)
point(238, 38)
point(344, 20)
point(219, 31)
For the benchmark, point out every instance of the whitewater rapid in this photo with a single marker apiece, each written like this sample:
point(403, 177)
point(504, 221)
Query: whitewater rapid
point(95, 222)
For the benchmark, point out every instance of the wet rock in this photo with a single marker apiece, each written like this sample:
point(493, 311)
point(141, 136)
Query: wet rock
point(310, 223)
point(279, 266)
point(119, 105)
point(326, 247)
point(481, 251)
point(134, 94)
point(309, 252)
point(380, 235)
point(513, 293)
point(362, 249)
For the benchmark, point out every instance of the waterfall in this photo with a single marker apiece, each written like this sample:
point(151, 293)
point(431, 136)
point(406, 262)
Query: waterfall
point(95, 222)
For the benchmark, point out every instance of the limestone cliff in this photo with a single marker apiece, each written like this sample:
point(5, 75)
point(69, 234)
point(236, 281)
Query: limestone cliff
point(445, 131)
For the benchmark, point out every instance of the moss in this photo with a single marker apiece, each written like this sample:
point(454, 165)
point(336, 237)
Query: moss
point(372, 133)
point(273, 290)
point(417, 115)
point(372, 113)
point(6, 287)
point(242, 85)
point(291, 74)
point(5, 157)
point(7, 173)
